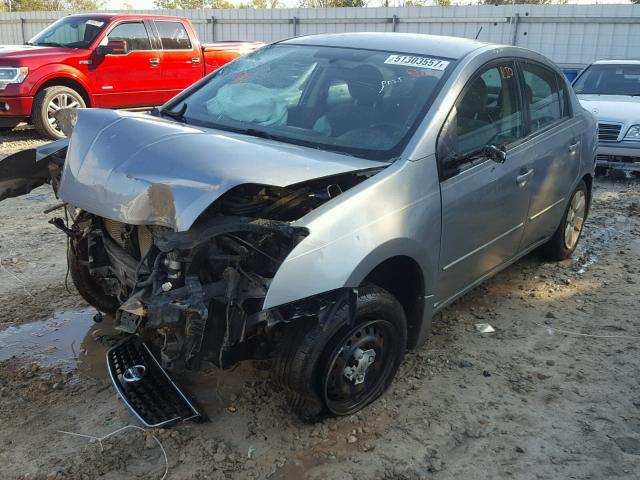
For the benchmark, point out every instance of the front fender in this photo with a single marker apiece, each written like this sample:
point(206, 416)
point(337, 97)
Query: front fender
point(59, 71)
point(394, 213)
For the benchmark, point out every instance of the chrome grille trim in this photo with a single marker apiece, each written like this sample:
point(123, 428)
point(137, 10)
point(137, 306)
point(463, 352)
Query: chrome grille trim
point(609, 132)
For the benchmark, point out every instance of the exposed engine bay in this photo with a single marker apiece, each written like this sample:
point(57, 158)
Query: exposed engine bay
point(198, 294)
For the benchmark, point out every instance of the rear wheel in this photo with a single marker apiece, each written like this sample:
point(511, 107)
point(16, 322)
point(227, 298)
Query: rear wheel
point(565, 239)
point(47, 102)
point(343, 367)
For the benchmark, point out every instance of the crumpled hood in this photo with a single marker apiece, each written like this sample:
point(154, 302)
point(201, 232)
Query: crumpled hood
point(619, 108)
point(139, 169)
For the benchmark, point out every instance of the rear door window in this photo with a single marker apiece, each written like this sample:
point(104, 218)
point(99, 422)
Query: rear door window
point(542, 96)
point(134, 33)
point(173, 36)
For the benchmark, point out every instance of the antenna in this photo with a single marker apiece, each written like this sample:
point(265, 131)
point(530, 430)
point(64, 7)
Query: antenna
point(478, 34)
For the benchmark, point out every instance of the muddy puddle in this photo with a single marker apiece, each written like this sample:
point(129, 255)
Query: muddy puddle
point(70, 340)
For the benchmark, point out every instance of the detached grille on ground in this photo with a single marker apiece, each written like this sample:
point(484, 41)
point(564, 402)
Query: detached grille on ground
point(145, 387)
point(608, 132)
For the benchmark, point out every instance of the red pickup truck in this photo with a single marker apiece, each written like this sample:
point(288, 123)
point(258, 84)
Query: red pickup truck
point(104, 60)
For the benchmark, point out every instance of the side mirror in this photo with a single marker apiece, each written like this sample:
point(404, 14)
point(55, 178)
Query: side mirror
point(497, 154)
point(115, 47)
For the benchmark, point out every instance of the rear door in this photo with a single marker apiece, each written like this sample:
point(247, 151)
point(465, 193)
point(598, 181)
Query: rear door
point(131, 80)
point(554, 138)
point(181, 57)
point(484, 201)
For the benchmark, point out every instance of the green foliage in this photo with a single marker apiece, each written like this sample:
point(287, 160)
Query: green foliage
point(332, 3)
point(511, 2)
point(49, 5)
point(261, 4)
point(193, 4)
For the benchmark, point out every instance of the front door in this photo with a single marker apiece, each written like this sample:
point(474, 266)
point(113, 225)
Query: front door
point(131, 80)
point(555, 134)
point(485, 198)
point(181, 61)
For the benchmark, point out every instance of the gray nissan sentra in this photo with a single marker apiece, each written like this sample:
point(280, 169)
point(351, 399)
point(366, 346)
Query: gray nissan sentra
point(315, 202)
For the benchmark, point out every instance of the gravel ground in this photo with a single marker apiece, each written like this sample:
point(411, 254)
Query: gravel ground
point(553, 393)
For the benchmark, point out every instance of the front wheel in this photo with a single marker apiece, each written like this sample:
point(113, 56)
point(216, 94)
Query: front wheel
point(88, 288)
point(340, 369)
point(45, 105)
point(565, 239)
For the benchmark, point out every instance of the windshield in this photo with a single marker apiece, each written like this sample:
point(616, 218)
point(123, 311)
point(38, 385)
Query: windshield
point(609, 80)
point(70, 32)
point(361, 102)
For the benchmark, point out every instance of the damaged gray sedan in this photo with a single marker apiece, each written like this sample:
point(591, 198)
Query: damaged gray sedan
point(315, 202)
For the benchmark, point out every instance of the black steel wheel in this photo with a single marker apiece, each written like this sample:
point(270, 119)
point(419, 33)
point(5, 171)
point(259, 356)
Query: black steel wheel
point(359, 366)
point(340, 368)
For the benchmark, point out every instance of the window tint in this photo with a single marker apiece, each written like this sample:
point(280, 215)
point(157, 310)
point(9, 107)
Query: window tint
point(542, 95)
point(134, 33)
point(489, 113)
point(173, 36)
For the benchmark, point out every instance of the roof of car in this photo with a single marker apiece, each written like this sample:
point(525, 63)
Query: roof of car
point(110, 16)
point(436, 45)
point(617, 62)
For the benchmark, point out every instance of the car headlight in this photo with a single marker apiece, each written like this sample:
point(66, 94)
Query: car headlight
point(12, 75)
point(633, 133)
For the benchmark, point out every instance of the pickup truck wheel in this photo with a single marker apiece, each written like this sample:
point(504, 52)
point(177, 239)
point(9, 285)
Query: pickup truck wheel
point(341, 369)
point(564, 241)
point(47, 102)
point(86, 285)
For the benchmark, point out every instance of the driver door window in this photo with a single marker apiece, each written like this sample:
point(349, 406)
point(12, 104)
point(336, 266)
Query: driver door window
point(489, 112)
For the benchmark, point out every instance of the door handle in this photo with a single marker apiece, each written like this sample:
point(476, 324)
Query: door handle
point(521, 180)
point(573, 146)
point(154, 62)
point(195, 60)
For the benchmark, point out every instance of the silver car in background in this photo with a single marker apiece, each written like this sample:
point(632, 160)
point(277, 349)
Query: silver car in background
point(610, 89)
point(316, 202)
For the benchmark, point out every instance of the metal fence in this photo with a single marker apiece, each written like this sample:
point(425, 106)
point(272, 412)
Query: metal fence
point(568, 34)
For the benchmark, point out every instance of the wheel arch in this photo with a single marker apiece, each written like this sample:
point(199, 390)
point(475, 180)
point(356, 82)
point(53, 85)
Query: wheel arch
point(403, 278)
point(588, 180)
point(71, 82)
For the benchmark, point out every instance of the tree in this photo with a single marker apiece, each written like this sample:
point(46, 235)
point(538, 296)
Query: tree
point(193, 4)
point(261, 4)
point(511, 2)
point(425, 3)
point(332, 3)
point(50, 5)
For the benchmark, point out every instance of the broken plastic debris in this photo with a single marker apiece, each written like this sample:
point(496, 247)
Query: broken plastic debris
point(231, 409)
point(484, 328)
point(250, 452)
point(98, 317)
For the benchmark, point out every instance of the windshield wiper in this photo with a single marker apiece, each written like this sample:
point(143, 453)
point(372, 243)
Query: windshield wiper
point(178, 116)
point(48, 44)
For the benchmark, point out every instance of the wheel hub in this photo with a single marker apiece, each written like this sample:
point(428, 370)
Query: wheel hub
point(363, 359)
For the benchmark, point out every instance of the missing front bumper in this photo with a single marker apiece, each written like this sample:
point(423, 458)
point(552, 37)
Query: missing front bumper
point(153, 397)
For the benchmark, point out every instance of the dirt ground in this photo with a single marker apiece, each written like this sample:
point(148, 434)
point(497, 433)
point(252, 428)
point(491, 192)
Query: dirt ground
point(554, 393)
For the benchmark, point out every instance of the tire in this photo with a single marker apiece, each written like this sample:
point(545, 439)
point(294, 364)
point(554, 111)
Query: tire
point(319, 367)
point(565, 239)
point(86, 285)
point(47, 101)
